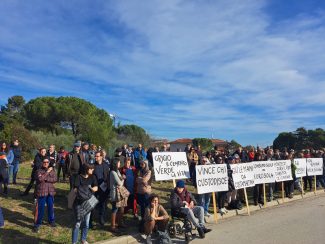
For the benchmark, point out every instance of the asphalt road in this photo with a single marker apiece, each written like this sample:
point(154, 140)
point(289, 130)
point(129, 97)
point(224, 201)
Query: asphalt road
point(301, 221)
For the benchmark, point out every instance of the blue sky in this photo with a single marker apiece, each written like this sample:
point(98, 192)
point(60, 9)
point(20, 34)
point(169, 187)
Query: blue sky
point(243, 70)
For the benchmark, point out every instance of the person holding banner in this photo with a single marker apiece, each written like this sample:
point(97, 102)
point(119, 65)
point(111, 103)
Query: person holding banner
point(289, 185)
point(270, 157)
point(233, 203)
point(204, 199)
point(182, 201)
point(193, 160)
point(258, 188)
point(308, 178)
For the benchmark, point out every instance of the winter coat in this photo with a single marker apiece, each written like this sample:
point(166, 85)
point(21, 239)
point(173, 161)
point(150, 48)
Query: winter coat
point(143, 181)
point(115, 180)
point(176, 201)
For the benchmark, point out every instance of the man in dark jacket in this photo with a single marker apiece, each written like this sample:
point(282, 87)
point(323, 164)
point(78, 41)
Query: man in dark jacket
point(37, 164)
point(45, 179)
point(74, 163)
point(183, 202)
point(102, 174)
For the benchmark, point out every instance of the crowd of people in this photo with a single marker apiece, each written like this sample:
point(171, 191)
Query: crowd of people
point(124, 180)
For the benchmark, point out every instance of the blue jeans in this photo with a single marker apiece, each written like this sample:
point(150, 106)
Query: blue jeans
point(39, 212)
point(84, 224)
point(12, 172)
point(204, 201)
point(195, 215)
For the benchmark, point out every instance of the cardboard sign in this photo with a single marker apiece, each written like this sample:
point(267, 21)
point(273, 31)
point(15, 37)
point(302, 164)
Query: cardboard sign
point(264, 172)
point(170, 165)
point(243, 175)
point(211, 178)
point(283, 170)
point(314, 166)
point(301, 169)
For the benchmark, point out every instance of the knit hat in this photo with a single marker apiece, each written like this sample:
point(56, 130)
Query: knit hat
point(180, 184)
point(77, 144)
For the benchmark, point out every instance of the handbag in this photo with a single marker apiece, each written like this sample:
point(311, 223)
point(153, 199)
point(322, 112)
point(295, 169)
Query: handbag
point(122, 193)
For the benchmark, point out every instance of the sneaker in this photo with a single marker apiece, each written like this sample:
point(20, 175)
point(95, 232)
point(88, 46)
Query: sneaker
point(36, 229)
point(84, 242)
point(225, 210)
point(207, 214)
point(201, 232)
point(53, 225)
point(148, 239)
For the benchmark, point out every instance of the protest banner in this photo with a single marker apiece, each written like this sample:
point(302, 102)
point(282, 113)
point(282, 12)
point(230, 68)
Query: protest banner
point(300, 171)
point(243, 175)
point(211, 178)
point(282, 170)
point(300, 164)
point(314, 166)
point(264, 172)
point(170, 166)
point(282, 173)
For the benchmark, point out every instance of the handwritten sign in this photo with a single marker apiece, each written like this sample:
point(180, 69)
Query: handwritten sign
point(243, 175)
point(300, 164)
point(283, 170)
point(314, 166)
point(170, 165)
point(264, 172)
point(211, 178)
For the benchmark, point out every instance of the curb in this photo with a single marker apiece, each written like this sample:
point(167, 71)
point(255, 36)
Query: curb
point(136, 237)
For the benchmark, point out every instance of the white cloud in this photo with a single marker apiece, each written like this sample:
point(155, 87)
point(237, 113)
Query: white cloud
point(177, 66)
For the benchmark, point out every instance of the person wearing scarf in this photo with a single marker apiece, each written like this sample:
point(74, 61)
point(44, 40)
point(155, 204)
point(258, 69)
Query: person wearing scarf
point(182, 201)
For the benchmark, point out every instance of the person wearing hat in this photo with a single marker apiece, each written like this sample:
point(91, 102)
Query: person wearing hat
point(74, 163)
point(182, 201)
point(45, 179)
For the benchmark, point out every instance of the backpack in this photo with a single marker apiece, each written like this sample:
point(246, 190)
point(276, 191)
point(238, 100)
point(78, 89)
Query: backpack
point(164, 238)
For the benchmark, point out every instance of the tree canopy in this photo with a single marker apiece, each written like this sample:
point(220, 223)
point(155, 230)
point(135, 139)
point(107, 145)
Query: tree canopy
point(301, 139)
point(85, 120)
point(205, 143)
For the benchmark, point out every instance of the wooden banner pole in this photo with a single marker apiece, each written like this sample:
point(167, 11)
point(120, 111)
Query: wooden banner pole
point(215, 207)
point(282, 191)
point(302, 187)
point(174, 183)
point(247, 204)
